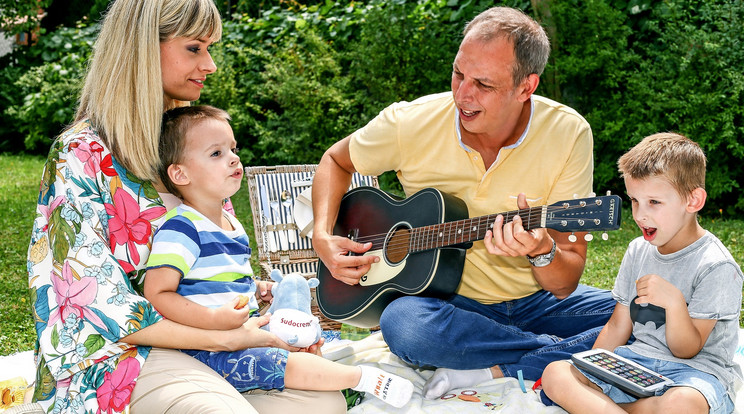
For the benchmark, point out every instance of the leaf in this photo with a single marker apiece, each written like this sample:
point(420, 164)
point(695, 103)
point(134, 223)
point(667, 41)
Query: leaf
point(93, 343)
point(41, 307)
point(110, 330)
point(55, 337)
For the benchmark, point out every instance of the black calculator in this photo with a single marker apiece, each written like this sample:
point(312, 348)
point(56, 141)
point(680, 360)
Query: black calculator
point(623, 373)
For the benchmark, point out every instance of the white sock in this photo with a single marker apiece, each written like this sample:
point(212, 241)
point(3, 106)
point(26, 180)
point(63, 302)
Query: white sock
point(390, 388)
point(445, 379)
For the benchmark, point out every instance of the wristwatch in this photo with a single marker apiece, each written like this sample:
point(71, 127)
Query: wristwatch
point(542, 260)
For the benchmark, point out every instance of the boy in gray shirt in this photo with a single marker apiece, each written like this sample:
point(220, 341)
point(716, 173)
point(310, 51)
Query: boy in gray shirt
point(678, 292)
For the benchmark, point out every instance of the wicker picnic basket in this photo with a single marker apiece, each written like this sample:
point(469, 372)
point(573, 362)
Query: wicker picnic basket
point(275, 195)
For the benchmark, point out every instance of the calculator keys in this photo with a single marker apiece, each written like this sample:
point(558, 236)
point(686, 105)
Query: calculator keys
point(626, 375)
point(623, 370)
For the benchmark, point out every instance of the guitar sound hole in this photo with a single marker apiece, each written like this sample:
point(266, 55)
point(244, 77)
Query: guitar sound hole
point(397, 245)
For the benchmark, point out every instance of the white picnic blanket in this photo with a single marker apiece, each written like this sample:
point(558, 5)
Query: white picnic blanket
point(502, 395)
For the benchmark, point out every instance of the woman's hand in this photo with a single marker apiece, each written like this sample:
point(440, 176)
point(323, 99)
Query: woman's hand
point(250, 335)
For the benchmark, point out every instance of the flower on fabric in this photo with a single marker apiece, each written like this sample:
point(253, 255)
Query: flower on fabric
point(128, 226)
point(81, 351)
point(96, 249)
point(76, 402)
point(88, 211)
point(120, 292)
point(100, 272)
point(60, 404)
point(46, 211)
point(73, 296)
point(90, 155)
point(68, 213)
point(79, 240)
point(103, 219)
point(72, 325)
point(107, 166)
point(114, 394)
point(70, 195)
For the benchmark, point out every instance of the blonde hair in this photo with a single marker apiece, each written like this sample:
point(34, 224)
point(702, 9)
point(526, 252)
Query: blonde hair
point(176, 124)
point(675, 157)
point(531, 43)
point(123, 91)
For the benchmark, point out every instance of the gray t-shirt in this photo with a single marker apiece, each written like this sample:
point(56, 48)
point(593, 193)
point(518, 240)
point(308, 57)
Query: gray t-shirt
point(711, 282)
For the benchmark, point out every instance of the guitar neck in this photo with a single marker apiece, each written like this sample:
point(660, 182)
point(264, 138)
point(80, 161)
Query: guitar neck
point(470, 229)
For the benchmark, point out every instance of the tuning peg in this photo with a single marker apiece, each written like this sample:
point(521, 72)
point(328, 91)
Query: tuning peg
point(572, 238)
point(605, 236)
point(609, 192)
point(592, 194)
point(575, 196)
point(588, 237)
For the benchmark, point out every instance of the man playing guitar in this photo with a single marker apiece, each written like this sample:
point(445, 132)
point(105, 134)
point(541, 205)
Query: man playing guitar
point(494, 144)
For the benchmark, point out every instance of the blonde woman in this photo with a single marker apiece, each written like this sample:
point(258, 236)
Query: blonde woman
point(101, 346)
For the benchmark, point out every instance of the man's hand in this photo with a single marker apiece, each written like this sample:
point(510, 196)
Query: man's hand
point(263, 291)
point(315, 348)
point(511, 239)
point(334, 252)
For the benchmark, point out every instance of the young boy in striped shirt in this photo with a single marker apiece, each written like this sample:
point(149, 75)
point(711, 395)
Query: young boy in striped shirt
point(199, 266)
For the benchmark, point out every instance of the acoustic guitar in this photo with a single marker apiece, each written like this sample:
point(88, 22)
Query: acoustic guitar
point(421, 242)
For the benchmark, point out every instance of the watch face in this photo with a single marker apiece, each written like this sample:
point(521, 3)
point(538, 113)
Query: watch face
point(543, 259)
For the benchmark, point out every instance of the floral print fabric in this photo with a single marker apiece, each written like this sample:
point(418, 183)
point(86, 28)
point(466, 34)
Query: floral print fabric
point(89, 247)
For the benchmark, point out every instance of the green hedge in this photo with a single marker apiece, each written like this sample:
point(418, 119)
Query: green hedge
point(297, 79)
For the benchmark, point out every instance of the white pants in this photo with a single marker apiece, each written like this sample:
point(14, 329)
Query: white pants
point(173, 382)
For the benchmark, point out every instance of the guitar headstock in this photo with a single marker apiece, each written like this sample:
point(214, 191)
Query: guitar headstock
point(585, 214)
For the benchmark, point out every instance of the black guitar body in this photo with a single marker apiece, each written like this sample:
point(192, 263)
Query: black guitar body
point(367, 211)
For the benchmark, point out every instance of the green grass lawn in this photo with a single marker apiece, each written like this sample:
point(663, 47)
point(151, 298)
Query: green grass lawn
point(19, 180)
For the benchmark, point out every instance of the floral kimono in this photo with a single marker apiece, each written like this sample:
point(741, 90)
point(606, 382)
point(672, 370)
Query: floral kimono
point(89, 247)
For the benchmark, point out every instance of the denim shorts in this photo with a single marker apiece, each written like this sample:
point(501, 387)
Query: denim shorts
point(248, 369)
point(682, 375)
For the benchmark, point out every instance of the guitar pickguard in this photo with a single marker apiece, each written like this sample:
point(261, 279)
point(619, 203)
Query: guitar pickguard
point(381, 271)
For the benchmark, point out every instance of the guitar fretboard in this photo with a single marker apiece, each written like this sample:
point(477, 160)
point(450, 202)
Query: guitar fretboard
point(470, 229)
point(582, 215)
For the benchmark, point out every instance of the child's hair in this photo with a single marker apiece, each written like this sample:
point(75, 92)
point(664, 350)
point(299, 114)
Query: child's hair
point(672, 156)
point(176, 122)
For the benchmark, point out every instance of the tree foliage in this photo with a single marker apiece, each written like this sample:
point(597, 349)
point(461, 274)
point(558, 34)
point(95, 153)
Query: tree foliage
point(297, 75)
point(20, 16)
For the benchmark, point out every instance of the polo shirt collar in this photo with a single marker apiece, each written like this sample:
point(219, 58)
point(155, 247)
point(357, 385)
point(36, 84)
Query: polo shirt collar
point(514, 145)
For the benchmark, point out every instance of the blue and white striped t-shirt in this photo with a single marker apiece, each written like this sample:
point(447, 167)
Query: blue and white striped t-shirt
point(213, 262)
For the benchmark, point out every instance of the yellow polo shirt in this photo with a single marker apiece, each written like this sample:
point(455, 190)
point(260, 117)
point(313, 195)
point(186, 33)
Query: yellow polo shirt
point(419, 140)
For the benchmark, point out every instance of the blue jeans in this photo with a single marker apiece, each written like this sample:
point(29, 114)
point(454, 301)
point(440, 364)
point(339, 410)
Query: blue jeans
point(524, 334)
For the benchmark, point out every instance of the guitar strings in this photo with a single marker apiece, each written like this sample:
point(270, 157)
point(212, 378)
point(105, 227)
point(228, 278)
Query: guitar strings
point(451, 233)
